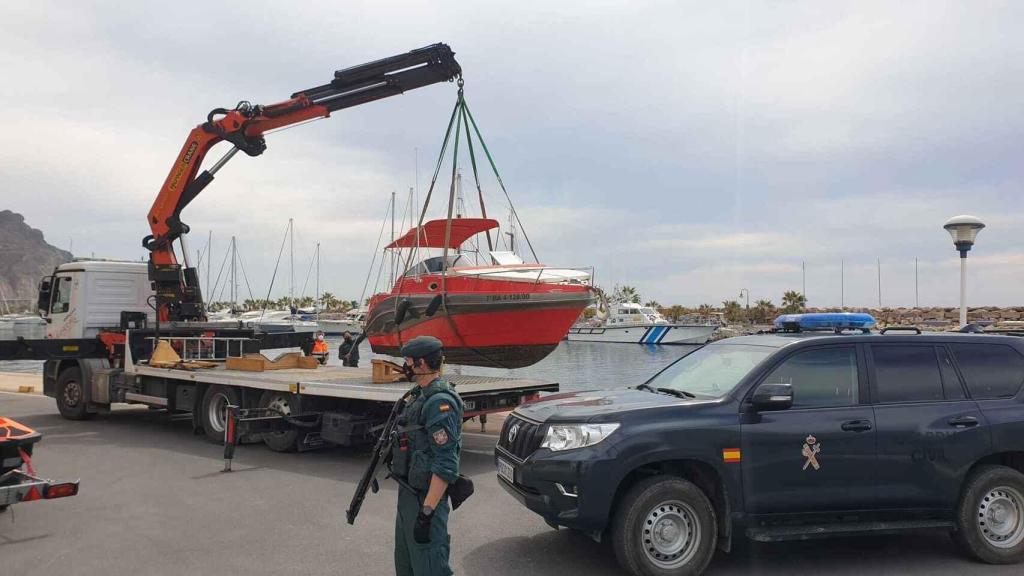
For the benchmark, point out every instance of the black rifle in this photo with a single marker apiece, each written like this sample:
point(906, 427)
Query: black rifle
point(380, 453)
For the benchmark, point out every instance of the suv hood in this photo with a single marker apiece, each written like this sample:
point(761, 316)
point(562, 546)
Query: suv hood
point(583, 406)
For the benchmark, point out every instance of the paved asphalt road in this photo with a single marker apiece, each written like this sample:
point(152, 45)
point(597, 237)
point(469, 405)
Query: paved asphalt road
point(153, 501)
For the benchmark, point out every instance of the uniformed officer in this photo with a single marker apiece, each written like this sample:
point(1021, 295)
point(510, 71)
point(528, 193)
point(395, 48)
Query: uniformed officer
point(425, 460)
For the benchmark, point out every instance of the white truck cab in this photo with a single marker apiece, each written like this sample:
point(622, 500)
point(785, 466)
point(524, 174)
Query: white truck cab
point(85, 296)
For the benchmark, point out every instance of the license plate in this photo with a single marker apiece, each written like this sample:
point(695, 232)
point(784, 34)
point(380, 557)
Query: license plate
point(506, 471)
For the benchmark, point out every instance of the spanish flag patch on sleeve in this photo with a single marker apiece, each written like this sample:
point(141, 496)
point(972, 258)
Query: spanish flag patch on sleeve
point(444, 408)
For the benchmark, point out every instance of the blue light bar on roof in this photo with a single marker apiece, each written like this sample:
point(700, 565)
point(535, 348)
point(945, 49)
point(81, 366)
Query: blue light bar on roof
point(835, 321)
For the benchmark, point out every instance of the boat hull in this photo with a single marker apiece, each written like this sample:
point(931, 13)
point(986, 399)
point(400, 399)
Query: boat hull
point(643, 334)
point(494, 329)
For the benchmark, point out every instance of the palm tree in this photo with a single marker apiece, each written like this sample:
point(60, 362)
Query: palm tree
point(328, 301)
point(733, 310)
point(793, 301)
point(626, 294)
point(706, 310)
point(675, 312)
point(764, 310)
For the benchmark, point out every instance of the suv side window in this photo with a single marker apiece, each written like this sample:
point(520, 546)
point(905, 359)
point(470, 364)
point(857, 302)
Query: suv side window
point(991, 370)
point(820, 378)
point(906, 373)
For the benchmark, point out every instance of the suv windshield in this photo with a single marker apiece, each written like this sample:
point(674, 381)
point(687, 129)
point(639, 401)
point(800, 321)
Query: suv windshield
point(711, 371)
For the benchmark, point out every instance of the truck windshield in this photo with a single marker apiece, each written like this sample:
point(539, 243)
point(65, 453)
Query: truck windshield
point(711, 371)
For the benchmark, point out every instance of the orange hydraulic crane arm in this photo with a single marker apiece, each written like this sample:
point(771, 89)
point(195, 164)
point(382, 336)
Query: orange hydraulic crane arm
point(177, 288)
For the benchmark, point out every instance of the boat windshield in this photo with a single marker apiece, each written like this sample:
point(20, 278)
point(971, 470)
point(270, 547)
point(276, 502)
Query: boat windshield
point(712, 371)
point(434, 265)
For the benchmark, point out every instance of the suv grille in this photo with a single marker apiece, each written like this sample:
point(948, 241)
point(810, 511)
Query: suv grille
point(526, 440)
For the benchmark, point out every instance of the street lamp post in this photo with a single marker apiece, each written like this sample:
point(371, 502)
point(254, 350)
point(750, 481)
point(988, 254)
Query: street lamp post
point(742, 291)
point(964, 230)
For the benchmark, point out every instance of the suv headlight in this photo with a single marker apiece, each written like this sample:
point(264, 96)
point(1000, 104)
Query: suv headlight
point(568, 436)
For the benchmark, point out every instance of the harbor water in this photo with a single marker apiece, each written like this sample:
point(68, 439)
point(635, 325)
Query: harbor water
point(574, 365)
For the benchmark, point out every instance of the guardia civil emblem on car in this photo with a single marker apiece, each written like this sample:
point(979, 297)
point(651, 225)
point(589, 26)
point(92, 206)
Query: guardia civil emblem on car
point(512, 432)
point(810, 452)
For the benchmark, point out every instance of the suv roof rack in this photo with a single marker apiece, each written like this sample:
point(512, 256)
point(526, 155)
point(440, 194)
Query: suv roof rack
point(915, 329)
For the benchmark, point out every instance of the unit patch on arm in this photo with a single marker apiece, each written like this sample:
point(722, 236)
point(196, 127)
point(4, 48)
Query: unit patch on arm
point(440, 437)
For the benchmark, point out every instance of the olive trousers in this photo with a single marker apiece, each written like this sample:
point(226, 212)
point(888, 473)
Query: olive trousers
point(412, 558)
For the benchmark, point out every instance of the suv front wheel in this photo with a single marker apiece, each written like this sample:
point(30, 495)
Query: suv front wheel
point(664, 526)
point(990, 518)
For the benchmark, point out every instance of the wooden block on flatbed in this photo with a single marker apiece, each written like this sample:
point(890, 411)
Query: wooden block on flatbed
point(385, 372)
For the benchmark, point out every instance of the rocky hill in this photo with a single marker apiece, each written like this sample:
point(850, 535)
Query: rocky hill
point(25, 257)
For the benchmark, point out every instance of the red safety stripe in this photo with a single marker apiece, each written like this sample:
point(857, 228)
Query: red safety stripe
point(27, 460)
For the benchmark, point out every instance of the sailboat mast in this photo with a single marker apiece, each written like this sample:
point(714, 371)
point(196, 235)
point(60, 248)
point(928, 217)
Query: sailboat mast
point(391, 280)
point(317, 301)
point(209, 257)
point(291, 247)
point(234, 273)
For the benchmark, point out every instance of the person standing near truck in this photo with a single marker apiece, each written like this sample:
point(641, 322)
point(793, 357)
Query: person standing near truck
point(425, 461)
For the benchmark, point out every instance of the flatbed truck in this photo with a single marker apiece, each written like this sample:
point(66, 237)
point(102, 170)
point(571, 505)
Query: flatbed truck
point(100, 336)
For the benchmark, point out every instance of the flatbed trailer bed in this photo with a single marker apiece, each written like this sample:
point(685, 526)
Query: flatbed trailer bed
point(288, 409)
point(341, 382)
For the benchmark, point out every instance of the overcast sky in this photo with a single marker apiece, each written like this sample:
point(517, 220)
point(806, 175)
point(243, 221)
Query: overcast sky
point(688, 149)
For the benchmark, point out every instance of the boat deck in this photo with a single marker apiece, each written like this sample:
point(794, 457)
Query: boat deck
point(342, 382)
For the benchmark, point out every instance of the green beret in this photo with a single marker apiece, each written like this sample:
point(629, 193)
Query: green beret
point(421, 346)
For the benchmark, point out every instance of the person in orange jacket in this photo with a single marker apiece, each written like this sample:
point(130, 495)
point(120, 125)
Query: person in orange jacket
point(320, 349)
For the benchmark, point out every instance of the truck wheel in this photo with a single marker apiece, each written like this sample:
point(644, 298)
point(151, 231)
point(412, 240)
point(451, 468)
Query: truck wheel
point(284, 404)
point(213, 411)
point(71, 395)
point(664, 526)
point(990, 517)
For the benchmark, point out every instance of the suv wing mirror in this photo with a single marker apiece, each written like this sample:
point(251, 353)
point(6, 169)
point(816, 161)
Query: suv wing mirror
point(770, 397)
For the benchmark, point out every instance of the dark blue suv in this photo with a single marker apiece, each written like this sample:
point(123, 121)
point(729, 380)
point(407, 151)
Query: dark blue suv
point(785, 436)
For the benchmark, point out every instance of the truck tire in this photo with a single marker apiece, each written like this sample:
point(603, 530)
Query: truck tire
point(664, 526)
point(71, 395)
point(990, 516)
point(282, 403)
point(213, 411)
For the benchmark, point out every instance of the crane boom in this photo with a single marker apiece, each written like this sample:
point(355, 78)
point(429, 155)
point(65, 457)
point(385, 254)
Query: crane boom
point(177, 287)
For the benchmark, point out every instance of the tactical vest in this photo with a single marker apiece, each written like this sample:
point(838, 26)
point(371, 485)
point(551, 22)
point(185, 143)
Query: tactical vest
point(411, 456)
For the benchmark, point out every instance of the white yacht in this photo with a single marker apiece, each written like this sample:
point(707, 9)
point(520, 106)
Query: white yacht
point(351, 322)
point(276, 321)
point(23, 325)
point(631, 323)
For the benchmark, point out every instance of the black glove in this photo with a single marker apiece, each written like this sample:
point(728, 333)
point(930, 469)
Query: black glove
point(421, 531)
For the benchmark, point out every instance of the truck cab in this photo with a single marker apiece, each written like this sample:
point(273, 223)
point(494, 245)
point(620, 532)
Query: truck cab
point(83, 297)
point(790, 435)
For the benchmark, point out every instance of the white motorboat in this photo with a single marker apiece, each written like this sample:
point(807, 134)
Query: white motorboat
point(632, 323)
point(276, 321)
point(351, 322)
point(14, 325)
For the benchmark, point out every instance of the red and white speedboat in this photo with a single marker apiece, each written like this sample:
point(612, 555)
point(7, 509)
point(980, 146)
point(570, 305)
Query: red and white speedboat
point(505, 314)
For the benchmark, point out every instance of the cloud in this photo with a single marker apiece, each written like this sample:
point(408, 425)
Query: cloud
point(687, 149)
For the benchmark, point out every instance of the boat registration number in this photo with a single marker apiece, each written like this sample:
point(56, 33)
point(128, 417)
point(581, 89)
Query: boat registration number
point(469, 405)
point(506, 471)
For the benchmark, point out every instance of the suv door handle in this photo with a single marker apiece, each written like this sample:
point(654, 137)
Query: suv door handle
point(963, 422)
point(856, 426)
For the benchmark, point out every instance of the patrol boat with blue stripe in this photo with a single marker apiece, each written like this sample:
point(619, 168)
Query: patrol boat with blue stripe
point(631, 323)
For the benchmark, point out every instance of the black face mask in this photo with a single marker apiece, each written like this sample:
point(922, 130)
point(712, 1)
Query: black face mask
point(409, 374)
